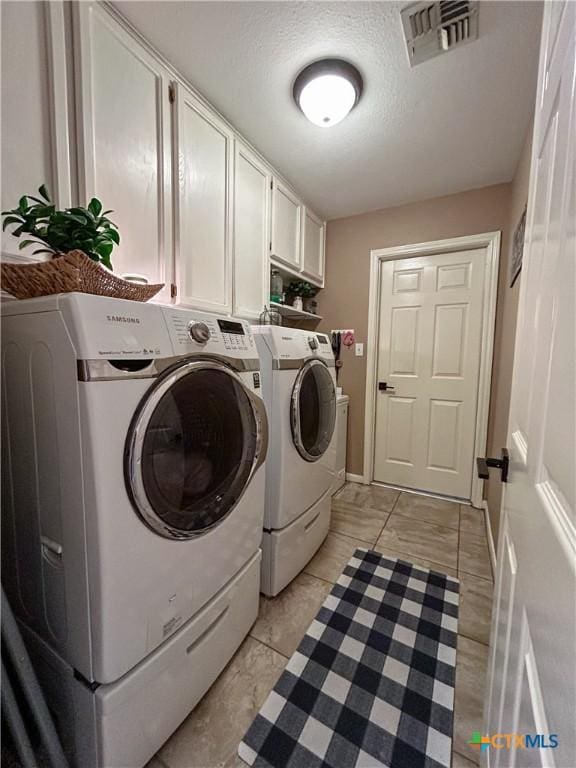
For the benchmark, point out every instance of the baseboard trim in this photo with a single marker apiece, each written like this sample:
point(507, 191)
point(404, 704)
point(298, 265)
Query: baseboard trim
point(352, 478)
point(428, 494)
point(489, 537)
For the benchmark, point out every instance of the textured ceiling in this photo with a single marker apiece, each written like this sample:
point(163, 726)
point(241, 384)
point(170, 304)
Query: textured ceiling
point(453, 123)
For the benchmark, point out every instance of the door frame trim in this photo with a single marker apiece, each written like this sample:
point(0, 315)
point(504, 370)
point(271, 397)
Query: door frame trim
point(487, 240)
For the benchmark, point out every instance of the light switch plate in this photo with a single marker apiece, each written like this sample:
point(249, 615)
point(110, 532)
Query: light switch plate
point(359, 351)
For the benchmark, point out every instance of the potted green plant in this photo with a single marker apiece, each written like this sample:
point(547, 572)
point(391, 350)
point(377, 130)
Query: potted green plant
point(61, 231)
point(80, 241)
point(303, 294)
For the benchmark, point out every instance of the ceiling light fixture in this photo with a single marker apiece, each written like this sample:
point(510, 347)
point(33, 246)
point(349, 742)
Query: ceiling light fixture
point(327, 90)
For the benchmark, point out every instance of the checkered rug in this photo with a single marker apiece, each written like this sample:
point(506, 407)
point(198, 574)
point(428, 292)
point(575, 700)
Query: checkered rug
point(372, 682)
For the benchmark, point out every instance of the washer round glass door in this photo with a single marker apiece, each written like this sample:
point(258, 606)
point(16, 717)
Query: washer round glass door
point(192, 448)
point(313, 411)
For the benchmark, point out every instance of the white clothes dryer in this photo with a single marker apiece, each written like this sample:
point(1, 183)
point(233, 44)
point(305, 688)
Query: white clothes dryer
point(298, 379)
point(133, 499)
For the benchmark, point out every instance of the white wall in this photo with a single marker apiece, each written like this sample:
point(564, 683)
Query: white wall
point(36, 122)
point(26, 146)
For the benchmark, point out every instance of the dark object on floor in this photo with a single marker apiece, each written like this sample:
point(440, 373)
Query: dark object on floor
point(372, 682)
point(18, 661)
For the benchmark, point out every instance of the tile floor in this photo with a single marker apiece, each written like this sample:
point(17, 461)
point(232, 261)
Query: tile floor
point(437, 534)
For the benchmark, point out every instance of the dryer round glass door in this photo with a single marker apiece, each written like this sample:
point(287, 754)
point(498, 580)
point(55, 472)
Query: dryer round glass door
point(192, 448)
point(313, 412)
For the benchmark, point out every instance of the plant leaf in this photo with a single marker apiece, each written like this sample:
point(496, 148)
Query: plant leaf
point(77, 210)
point(41, 209)
point(81, 228)
point(80, 219)
point(104, 250)
point(95, 206)
point(106, 261)
point(11, 220)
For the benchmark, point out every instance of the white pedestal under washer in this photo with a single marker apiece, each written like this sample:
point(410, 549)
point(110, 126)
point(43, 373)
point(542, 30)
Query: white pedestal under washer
point(298, 378)
point(133, 488)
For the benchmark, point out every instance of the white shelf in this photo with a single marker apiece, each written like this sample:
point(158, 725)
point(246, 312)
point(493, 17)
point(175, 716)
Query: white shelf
point(294, 273)
point(295, 314)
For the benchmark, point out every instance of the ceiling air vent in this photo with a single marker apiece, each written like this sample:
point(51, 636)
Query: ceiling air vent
point(434, 28)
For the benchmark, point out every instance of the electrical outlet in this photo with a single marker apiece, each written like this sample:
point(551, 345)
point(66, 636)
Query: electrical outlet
point(359, 350)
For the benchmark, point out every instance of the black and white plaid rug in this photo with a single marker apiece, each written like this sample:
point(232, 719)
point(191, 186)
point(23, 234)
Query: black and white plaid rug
point(372, 682)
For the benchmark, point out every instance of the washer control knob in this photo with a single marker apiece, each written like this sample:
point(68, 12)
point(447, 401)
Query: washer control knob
point(312, 343)
point(199, 332)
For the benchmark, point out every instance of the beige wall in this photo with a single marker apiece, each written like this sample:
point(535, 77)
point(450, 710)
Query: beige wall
point(344, 301)
point(506, 311)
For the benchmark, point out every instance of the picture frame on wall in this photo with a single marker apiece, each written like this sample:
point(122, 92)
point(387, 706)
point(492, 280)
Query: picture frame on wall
point(517, 249)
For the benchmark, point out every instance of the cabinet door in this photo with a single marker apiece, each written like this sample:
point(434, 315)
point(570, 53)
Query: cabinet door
point(312, 246)
point(203, 151)
point(251, 233)
point(125, 152)
point(286, 225)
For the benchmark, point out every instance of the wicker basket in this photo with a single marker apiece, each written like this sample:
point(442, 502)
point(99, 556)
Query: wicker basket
point(73, 271)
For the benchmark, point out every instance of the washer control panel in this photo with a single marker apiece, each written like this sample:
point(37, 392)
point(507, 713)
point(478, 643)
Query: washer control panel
point(234, 334)
point(193, 331)
point(294, 343)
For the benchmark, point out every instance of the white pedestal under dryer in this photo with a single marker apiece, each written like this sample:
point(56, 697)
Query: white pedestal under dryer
point(134, 438)
point(298, 380)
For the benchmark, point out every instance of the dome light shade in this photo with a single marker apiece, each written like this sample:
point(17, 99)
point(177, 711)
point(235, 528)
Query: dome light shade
point(327, 90)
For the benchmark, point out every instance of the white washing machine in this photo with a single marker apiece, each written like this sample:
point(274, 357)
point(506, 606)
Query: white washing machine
point(133, 500)
point(298, 379)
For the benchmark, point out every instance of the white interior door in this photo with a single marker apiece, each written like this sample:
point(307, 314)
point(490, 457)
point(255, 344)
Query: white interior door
point(532, 676)
point(429, 348)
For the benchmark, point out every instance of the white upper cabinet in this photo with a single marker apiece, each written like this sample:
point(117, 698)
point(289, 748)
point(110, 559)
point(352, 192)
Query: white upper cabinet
point(125, 142)
point(286, 225)
point(195, 208)
point(252, 181)
point(312, 246)
point(203, 150)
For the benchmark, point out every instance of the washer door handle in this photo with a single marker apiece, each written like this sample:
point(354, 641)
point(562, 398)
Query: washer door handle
point(51, 545)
